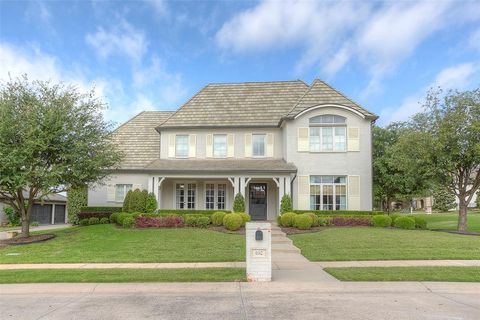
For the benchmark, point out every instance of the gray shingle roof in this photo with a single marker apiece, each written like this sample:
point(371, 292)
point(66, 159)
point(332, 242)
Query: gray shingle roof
point(322, 93)
point(139, 140)
point(239, 104)
point(221, 165)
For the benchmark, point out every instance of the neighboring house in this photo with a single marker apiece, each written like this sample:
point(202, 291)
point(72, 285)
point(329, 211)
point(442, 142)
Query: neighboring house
point(262, 139)
point(51, 210)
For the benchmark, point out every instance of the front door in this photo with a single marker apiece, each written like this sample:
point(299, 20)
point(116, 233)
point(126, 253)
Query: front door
point(258, 201)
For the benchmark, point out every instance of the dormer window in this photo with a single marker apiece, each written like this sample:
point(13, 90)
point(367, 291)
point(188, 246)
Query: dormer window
point(328, 133)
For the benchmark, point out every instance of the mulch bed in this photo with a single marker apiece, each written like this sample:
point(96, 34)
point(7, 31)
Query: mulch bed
point(31, 239)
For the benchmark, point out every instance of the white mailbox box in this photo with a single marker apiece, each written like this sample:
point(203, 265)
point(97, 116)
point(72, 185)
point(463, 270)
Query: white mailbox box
point(259, 251)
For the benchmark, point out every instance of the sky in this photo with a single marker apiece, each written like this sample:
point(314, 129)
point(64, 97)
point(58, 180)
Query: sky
point(155, 55)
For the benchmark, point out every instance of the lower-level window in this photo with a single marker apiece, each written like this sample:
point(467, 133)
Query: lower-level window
point(328, 193)
point(121, 191)
point(185, 195)
point(215, 195)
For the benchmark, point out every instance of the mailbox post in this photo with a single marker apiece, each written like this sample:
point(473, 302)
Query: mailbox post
point(259, 251)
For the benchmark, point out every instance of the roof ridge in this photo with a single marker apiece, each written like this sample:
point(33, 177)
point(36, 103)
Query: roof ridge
point(301, 98)
point(255, 82)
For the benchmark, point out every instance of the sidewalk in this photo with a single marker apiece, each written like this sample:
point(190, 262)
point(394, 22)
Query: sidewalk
point(399, 263)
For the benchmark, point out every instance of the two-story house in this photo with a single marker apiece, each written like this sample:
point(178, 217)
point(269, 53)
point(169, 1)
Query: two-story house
point(262, 139)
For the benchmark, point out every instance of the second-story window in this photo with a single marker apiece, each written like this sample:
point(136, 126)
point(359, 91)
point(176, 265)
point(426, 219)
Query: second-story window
point(328, 133)
point(220, 145)
point(258, 145)
point(181, 146)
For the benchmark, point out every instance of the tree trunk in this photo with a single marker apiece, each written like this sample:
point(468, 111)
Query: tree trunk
point(25, 212)
point(462, 215)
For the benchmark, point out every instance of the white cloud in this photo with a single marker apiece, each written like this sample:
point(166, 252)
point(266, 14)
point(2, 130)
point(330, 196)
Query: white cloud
point(377, 35)
point(460, 77)
point(160, 7)
point(474, 41)
point(122, 39)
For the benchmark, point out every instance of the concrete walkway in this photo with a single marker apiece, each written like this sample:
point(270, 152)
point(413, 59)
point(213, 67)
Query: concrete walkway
point(399, 263)
point(288, 264)
point(3, 234)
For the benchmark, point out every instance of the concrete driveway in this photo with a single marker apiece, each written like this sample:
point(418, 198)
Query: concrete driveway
point(336, 300)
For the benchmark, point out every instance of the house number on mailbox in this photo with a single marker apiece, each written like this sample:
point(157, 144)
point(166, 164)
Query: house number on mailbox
point(259, 253)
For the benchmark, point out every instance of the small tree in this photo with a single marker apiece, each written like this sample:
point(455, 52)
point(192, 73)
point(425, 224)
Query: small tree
point(77, 197)
point(286, 204)
point(151, 204)
point(127, 201)
point(239, 203)
point(51, 138)
point(443, 200)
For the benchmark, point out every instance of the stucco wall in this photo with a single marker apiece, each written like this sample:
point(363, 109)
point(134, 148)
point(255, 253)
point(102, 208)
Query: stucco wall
point(332, 163)
point(97, 194)
point(239, 140)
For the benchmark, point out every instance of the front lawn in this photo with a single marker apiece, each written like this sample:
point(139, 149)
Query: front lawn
point(122, 275)
point(448, 221)
point(364, 243)
point(452, 274)
point(107, 243)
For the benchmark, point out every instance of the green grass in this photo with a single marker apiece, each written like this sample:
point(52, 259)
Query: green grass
point(448, 221)
point(122, 275)
point(452, 274)
point(385, 244)
point(106, 243)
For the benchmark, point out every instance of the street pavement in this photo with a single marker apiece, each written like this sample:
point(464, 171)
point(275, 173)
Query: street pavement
point(288, 300)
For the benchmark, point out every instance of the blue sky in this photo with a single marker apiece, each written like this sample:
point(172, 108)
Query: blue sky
point(154, 55)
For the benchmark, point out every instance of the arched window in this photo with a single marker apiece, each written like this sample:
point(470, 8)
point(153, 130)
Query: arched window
point(328, 133)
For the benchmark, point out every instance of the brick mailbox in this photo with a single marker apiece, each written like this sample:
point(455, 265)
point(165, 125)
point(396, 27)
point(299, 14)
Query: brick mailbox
point(259, 251)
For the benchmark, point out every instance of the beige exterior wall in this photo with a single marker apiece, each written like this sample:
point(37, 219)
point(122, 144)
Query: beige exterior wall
point(98, 194)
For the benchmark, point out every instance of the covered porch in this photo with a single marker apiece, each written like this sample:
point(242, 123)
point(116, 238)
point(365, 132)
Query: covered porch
point(213, 184)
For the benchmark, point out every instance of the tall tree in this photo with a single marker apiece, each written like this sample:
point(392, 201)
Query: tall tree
point(450, 126)
point(51, 138)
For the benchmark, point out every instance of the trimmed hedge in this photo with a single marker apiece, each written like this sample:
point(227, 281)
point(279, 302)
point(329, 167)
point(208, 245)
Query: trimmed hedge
point(181, 212)
point(101, 209)
point(217, 218)
point(381, 221)
point(77, 198)
point(88, 215)
point(288, 219)
point(233, 221)
point(315, 219)
point(93, 220)
point(245, 217)
point(420, 223)
point(303, 221)
point(340, 212)
point(197, 220)
point(340, 221)
point(128, 222)
point(84, 222)
point(104, 221)
point(405, 223)
point(159, 222)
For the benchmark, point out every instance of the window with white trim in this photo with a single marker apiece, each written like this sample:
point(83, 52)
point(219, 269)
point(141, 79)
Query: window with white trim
point(328, 133)
point(185, 195)
point(121, 191)
point(181, 145)
point(220, 145)
point(328, 193)
point(215, 195)
point(259, 145)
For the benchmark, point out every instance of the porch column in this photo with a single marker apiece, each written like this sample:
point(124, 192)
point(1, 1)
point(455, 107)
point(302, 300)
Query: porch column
point(150, 184)
point(242, 186)
point(288, 183)
point(236, 187)
point(155, 189)
point(281, 190)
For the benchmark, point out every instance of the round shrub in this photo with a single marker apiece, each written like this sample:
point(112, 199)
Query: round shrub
point(420, 223)
point(122, 216)
point(217, 218)
point(394, 216)
point(288, 219)
point(315, 219)
point(245, 217)
point(381, 221)
point(104, 220)
point(93, 221)
point(323, 221)
point(303, 221)
point(233, 221)
point(128, 222)
point(203, 222)
point(114, 217)
point(405, 223)
point(84, 222)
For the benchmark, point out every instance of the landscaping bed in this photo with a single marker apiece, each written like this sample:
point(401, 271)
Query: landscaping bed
point(32, 239)
point(122, 275)
point(451, 274)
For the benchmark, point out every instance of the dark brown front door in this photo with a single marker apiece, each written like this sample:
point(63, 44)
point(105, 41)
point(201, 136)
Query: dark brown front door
point(258, 201)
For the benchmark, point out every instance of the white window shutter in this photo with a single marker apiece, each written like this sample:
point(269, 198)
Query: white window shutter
point(303, 193)
point(248, 145)
point(171, 145)
point(209, 146)
point(303, 139)
point(192, 145)
point(353, 192)
point(110, 192)
point(230, 145)
point(270, 144)
point(353, 136)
